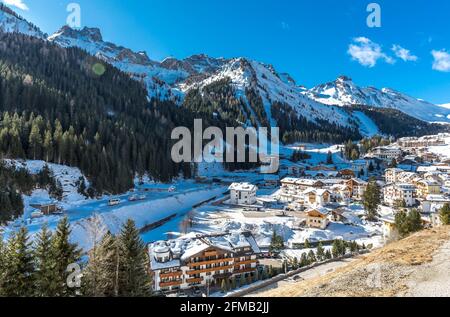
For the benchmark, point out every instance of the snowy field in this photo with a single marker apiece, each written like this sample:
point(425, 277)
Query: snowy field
point(92, 215)
point(158, 204)
point(209, 219)
point(443, 151)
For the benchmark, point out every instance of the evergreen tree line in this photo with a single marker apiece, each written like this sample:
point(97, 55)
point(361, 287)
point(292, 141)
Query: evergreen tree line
point(339, 248)
point(296, 128)
point(300, 156)
point(54, 107)
point(408, 222)
point(395, 123)
point(117, 266)
point(17, 181)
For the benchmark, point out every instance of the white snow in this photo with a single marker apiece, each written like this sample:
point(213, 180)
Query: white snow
point(343, 92)
point(367, 127)
point(12, 24)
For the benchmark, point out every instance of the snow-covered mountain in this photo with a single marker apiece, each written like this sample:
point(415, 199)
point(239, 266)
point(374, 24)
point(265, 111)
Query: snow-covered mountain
point(10, 22)
point(344, 92)
point(173, 78)
point(272, 87)
point(447, 105)
point(157, 79)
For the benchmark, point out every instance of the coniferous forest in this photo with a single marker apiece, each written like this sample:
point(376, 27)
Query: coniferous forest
point(49, 265)
point(55, 107)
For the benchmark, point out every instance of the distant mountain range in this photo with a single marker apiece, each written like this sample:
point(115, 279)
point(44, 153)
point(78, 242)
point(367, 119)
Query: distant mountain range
point(172, 79)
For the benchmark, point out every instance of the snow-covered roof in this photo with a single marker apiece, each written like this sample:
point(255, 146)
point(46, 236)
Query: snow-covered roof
point(437, 198)
point(182, 249)
point(321, 210)
point(243, 187)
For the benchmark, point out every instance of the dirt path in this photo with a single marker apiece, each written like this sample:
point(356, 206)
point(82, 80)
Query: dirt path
point(433, 279)
point(415, 266)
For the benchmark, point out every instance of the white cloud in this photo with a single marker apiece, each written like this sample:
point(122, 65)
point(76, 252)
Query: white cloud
point(16, 3)
point(404, 54)
point(441, 60)
point(367, 53)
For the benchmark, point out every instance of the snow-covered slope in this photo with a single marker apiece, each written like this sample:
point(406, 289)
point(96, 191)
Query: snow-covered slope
point(447, 105)
point(157, 79)
point(10, 22)
point(344, 92)
point(272, 87)
point(173, 78)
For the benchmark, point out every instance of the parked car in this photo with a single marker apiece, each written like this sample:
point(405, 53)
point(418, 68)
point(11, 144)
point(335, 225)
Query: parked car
point(114, 202)
point(133, 198)
point(37, 214)
point(172, 189)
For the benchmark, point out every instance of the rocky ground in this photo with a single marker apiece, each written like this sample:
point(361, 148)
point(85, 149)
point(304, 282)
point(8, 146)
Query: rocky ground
point(416, 266)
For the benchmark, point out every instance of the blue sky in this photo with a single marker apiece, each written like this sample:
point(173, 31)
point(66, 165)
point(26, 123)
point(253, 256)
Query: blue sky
point(312, 40)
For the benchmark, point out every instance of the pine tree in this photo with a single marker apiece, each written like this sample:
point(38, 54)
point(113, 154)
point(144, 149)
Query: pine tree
point(2, 263)
point(371, 200)
point(295, 263)
point(320, 252)
point(45, 275)
point(257, 276)
point(100, 275)
point(224, 286)
point(328, 255)
point(336, 249)
point(134, 278)
point(401, 223)
point(414, 221)
point(307, 245)
point(242, 281)
point(233, 283)
point(270, 272)
point(304, 260)
point(65, 253)
point(17, 280)
point(444, 215)
point(312, 257)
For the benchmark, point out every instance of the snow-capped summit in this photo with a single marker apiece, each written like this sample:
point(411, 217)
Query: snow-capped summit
point(195, 64)
point(344, 92)
point(245, 74)
point(138, 65)
point(11, 22)
point(88, 34)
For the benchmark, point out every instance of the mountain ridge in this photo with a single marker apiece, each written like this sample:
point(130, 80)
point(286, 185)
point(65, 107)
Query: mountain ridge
point(172, 79)
point(344, 92)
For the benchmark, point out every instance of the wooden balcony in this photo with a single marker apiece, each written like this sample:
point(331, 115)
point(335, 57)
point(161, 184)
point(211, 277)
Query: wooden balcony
point(246, 262)
point(211, 253)
point(248, 270)
point(192, 264)
point(194, 280)
point(213, 269)
point(171, 274)
point(171, 283)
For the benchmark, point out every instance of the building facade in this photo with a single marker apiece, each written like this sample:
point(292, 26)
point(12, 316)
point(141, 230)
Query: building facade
point(243, 194)
point(202, 261)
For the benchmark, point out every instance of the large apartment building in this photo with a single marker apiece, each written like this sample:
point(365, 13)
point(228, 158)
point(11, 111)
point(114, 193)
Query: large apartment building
point(386, 153)
point(394, 193)
point(192, 261)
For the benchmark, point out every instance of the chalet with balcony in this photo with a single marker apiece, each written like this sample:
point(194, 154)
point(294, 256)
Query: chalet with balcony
point(193, 261)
